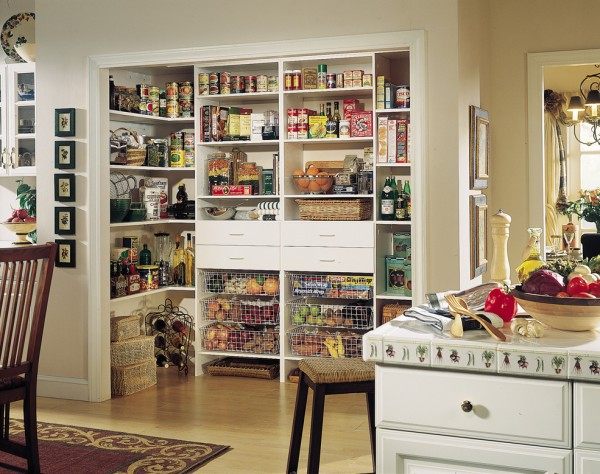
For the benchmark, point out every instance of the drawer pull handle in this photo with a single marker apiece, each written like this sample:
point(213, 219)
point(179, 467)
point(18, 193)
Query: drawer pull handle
point(466, 406)
point(330, 260)
point(236, 258)
point(239, 234)
point(326, 235)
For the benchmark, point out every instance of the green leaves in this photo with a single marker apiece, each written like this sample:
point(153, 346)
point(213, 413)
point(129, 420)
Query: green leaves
point(26, 196)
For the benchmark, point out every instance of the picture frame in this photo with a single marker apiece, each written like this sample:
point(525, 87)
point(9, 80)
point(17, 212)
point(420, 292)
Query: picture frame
point(66, 253)
point(64, 187)
point(479, 148)
point(64, 122)
point(478, 217)
point(64, 220)
point(64, 155)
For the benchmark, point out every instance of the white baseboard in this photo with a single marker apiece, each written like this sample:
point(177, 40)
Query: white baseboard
point(63, 387)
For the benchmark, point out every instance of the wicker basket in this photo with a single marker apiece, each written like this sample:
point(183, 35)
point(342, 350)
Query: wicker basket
point(136, 156)
point(131, 351)
point(335, 209)
point(132, 378)
point(124, 327)
point(392, 311)
point(238, 367)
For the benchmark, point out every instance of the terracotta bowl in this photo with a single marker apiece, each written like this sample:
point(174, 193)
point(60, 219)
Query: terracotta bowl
point(568, 314)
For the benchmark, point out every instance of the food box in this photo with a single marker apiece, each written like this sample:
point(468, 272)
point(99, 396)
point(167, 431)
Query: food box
point(132, 244)
point(398, 276)
point(316, 126)
point(309, 78)
point(382, 136)
point(367, 80)
point(391, 141)
point(357, 74)
point(345, 189)
point(361, 124)
point(163, 185)
point(257, 122)
point(333, 286)
point(350, 105)
point(401, 242)
point(231, 190)
point(402, 141)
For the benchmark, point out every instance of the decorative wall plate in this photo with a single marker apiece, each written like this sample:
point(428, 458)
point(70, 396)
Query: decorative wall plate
point(19, 28)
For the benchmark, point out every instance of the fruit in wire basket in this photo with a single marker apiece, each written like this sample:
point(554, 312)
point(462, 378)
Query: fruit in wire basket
point(271, 286)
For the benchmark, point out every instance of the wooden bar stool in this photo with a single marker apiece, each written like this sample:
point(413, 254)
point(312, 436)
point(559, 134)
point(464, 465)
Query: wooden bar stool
point(328, 377)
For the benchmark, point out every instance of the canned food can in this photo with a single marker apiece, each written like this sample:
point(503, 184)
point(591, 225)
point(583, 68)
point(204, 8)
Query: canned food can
point(189, 158)
point(262, 83)
point(367, 80)
point(403, 97)
point(185, 107)
point(203, 83)
point(237, 84)
point(331, 78)
point(339, 80)
point(272, 84)
point(250, 84)
point(213, 77)
point(225, 78)
point(287, 80)
point(153, 92)
point(296, 79)
point(143, 106)
point(172, 108)
point(155, 107)
point(186, 89)
point(292, 116)
point(176, 141)
point(292, 131)
point(177, 158)
point(225, 88)
point(143, 90)
point(213, 89)
point(303, 130)
point(188, 141)
point(172, 90)
point(344, 129)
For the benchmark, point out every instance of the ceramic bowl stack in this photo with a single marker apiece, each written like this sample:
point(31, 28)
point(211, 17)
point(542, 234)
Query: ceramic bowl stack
point(119, 209)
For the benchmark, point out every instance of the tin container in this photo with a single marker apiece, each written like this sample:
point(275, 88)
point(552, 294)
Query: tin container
point(172, 90)
point(143, 106)
point(287, 80)
point(296, 79)
point(339, 80)
point(172, 108)
point(148, 277)
point(237, 84)
point(225, 83)
point(143, 90)
point(250, 84)
point(402, 97)
point(176, 141)
point(188, 141)
point(225, 77)
point(213, 89)
point(203, 83)
point(153, 92)
point(262, 83)
point(331, 80)
point(186, 90)
point(367, 80)
point(186, 107)
point(272, 84)
point(344, 129)
point(189, 158)
point(176, 158)
point(213, 77)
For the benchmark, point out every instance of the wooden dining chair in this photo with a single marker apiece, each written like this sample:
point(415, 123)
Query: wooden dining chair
point(25, 276)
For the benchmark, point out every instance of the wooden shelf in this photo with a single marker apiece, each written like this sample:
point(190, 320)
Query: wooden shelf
point(164, 289)
point(155, 222)
point(118, 116)
point(272, 143)
point(394, 222)
point(246, 97)
point(330, 141)
point(358, 92)
point(151, 168)
point(240, 354)
point(388, 296)
point(393, 111)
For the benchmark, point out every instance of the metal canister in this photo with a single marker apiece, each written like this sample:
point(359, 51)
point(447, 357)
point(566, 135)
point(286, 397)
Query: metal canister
point(162, 104)
point(203, 83)
point(250, 84)
point(176, 141)
point(272, 84)
point(213, 83)
point(331, 78)
point(176, 152)
point(262, 83)
point(403, 97)
point(213, 89)
point(185, 107)
point(172, 90)
point(189, 158)
point(339, 80)
point(225, 83)
point(154, 97)
point(142, 90)
point(162, 149)
point(186, 90)
point(144, 106)
point(237, 84)
point(172, 108)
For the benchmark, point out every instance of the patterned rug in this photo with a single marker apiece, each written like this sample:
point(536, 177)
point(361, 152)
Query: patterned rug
point(71, 449)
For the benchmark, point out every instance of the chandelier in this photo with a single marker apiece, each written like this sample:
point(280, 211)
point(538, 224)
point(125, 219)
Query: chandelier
point(584, 107)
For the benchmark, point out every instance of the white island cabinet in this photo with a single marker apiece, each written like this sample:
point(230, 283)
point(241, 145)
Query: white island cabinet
point(476, 406)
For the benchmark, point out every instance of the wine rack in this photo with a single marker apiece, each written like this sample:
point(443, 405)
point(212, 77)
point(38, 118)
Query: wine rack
point(172, 328)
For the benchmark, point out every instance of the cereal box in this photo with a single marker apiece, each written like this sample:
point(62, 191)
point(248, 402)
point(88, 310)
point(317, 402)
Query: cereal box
point(361, 124)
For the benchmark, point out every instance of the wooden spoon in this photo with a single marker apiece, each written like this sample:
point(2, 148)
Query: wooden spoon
point(460, 306)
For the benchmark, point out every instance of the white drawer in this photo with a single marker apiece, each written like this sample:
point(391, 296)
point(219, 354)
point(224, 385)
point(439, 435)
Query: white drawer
point(239, 233)
point(529, 411)
point(328, 259)
point(586, 414)
point(586, 462)
point(328, 234)
point(237, 257)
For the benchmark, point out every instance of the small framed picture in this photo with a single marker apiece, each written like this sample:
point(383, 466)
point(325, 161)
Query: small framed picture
point(64, 155)
point(64, 220)
point(479, 148)
point(65, 255)
point(478, 217)
point(64, 187)
point(64, 122)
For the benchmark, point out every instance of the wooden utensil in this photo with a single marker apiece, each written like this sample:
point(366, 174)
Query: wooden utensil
point(460, 306)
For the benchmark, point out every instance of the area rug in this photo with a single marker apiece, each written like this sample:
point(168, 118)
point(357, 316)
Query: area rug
point(71, 449)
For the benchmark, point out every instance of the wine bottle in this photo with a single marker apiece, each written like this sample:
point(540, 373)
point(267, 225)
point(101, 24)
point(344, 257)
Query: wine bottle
point(161, 360)
point(387, 201)
point(176, 358)
point(330, 124)
point(159, 325)
point(160, 342)
point(112, 103)
point(400, 204)
point(337, 117)
point(178, 264)
point(407, 200)
point(189, 261)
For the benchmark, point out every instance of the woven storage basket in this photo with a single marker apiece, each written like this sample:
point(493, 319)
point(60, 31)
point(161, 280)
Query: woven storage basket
point(238, 367)
point(124, 327)
point(392, 311)
point(132, 378)
point(335, 209)
point(136, 156)
point(131, 351)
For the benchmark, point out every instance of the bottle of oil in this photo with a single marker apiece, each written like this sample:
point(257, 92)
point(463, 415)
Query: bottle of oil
point(532, 259)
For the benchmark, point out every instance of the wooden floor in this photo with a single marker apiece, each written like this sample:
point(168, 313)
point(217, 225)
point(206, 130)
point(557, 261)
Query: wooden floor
point(253, 416)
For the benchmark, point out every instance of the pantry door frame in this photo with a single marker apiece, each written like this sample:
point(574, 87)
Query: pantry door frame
point(98, 192)
point(536, 62)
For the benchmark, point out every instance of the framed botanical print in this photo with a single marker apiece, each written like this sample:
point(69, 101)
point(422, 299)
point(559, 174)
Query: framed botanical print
point(479, 148)
point(64, 155)
point(65, 254)
point(64, 187)
point(64, 122)
point(478, 230)
point(64, 220)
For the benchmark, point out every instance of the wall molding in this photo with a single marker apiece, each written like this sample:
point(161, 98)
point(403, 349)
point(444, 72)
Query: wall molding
point(63, 387)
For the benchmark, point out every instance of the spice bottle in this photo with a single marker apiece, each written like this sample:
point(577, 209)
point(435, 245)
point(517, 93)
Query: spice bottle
point(322, 76)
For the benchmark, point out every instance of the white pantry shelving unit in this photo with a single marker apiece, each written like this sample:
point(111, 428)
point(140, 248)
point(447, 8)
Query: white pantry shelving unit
point(288, 246)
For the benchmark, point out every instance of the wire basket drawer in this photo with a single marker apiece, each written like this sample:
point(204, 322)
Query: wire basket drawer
point(237, 338)
point(240, 283)
point(358, 287)
point(349, 316)
point(306, 342)
point(225, 309)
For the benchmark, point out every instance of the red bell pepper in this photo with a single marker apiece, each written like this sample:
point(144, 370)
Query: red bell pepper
point(501, 303)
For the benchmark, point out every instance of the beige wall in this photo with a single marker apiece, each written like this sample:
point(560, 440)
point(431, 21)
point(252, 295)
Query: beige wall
point(517, 28)
point(113, 26)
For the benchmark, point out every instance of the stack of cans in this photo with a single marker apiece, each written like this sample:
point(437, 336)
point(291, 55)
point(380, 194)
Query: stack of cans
point(186, 99)
point(188, 148)
point(172, 95)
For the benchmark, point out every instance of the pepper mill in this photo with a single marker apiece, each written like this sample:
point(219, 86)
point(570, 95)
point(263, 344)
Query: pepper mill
point(500, 267)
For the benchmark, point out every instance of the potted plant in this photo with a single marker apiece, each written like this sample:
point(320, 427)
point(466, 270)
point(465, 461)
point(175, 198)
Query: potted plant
point(587, 207)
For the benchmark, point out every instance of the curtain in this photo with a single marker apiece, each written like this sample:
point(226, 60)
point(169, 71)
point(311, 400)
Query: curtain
point(553, 175)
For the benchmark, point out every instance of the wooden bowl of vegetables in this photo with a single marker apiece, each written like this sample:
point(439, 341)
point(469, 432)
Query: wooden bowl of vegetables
point(571, 304)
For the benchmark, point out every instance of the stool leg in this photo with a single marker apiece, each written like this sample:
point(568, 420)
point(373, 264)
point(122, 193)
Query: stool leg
point(298, 424)
point(371, 411)
point(316, 429)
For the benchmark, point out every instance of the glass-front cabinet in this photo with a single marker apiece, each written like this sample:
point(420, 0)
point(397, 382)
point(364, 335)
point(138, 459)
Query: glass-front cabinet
point(17, 120)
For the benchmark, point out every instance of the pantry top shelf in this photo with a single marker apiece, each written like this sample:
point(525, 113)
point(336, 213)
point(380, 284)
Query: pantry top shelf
point(118, 116)
point(358, 92)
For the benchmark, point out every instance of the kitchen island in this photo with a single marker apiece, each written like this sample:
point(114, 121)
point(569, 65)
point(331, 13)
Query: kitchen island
point(475, 405)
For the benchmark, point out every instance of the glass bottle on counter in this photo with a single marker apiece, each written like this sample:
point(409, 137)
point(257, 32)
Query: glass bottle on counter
point(387, 201)
point(532, 259)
